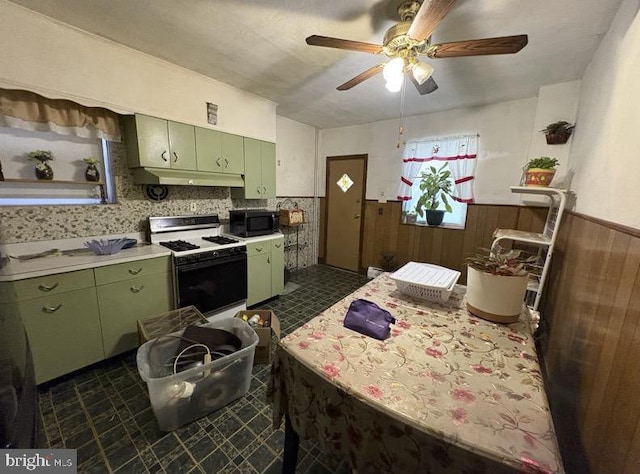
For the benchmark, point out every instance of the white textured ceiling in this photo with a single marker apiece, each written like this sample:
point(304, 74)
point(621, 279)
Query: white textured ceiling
point(259, 46)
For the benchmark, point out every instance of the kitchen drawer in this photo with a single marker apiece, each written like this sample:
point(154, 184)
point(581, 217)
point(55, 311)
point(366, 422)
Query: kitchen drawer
point(131, 270)
point(50, 285)
point(122, 304)
point(64, 332)
point(258, 248)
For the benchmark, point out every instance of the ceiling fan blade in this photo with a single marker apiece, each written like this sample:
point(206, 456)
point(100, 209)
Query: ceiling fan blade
point(479, 47)
point(361, 77)
point(338, 43)
point(430, 14)
point(427, 87)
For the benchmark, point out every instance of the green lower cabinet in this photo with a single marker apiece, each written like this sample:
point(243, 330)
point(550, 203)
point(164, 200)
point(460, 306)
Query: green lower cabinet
point(123, 303)
point(64, 331)
point(258, 278)
point(277, 266)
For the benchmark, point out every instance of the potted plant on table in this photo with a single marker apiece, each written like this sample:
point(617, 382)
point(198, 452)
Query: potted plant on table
point(540, 171)
point(40, 157)
point(558, 133)
point(435, 185)
point(496, 284)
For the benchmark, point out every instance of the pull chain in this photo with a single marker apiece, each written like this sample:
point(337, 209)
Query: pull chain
point(401, 127)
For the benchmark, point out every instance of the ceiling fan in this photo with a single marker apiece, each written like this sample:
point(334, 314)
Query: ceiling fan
point(410, 38)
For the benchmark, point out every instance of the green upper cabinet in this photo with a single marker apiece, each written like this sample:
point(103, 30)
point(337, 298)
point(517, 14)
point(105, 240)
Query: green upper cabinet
point(259, 170)
point(182, 142)
point(158, 143)
point(219, 152)
point(268, 153)
point(252, 170)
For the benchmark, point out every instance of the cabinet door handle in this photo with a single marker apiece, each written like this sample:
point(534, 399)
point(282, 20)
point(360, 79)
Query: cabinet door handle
point(176, 155)
point(278, 245)
point(135, 272)
point(268, 259)
point(259, 249)
point(258, 188)
point(226, 163)
point(51, 309)
point(218, 162)
point(48, 288)
point(264, 189)
point(164, 158)
point(136, 289)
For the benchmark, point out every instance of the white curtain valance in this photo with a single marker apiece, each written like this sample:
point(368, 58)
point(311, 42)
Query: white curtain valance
point(30, 111)
point(459, 151)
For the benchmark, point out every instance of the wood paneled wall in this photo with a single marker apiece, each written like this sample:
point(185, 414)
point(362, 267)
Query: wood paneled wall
point(383, 233)
point(592, 345)
point(440, 246)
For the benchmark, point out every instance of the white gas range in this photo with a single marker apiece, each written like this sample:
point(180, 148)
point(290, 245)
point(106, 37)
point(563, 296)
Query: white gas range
point(210, 269)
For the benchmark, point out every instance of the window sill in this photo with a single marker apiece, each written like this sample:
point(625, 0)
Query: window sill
point(442, 226)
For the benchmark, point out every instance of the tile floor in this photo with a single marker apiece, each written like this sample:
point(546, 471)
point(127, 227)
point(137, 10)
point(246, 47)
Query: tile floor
point(104, 411)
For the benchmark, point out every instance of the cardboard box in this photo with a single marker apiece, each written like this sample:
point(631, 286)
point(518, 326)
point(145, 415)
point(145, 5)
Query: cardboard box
point(265, 334)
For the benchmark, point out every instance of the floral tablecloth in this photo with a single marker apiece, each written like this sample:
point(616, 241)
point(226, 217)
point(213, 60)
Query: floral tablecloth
point(446, 392)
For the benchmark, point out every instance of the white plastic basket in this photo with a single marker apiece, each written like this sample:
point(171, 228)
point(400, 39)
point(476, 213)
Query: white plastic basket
point(426, 281)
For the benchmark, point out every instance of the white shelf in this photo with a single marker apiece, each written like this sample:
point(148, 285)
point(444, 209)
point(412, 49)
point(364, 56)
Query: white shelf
point(545, 241)
point(522, 236)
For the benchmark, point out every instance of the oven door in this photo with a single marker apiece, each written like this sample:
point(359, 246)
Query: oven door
point(212, 284)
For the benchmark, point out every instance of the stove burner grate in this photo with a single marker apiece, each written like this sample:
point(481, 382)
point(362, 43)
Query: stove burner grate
point(219, 239)
point(179, 245)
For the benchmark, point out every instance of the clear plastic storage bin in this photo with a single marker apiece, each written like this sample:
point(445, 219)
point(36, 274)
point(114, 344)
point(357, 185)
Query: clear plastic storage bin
point(177, 399)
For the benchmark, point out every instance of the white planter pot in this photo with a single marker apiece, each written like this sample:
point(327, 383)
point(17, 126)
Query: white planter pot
point(496, 298)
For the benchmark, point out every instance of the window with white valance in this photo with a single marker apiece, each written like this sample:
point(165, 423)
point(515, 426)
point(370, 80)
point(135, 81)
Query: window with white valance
point(71, 133)
point(460, 154)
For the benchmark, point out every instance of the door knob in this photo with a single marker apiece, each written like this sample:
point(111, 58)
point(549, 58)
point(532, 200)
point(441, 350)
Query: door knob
point(357, 216)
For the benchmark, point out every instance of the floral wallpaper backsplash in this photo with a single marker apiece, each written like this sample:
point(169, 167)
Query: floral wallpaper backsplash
point(32, 223)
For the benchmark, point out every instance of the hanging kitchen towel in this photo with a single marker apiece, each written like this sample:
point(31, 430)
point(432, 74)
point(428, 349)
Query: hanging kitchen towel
point(369, 319)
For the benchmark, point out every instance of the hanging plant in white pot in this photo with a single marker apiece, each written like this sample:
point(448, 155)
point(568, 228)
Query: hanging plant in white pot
point(496, 284)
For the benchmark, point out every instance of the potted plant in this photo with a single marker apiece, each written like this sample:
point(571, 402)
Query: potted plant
point(91, 173)
point(540, 171)
point(435, 185)
point(558, 133)
point(496, 284)
point(40, 157)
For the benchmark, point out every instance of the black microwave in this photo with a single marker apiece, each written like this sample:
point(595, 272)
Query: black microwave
point(250, 223)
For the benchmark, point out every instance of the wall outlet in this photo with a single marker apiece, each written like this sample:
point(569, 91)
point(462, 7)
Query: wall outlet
point(193, 207)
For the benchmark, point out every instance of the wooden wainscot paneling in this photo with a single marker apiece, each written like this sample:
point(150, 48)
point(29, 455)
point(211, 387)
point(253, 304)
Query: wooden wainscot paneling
point(592, 345)
point(385, 235)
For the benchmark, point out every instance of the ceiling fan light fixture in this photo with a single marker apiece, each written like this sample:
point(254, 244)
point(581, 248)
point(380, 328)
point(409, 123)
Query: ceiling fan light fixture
point(395, 84)
point(394, 69)
point(421, 72)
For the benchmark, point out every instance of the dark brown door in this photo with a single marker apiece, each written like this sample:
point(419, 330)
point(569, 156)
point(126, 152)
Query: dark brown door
point(345, 191)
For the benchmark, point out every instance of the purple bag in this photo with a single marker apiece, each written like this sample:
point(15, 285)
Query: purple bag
point(369, 319)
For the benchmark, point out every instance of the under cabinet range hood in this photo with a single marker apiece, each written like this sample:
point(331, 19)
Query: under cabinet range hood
point(185, 177)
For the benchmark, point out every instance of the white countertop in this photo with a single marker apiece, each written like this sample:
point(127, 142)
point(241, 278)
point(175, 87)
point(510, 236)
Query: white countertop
point(259, 238)
point(15, 269)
